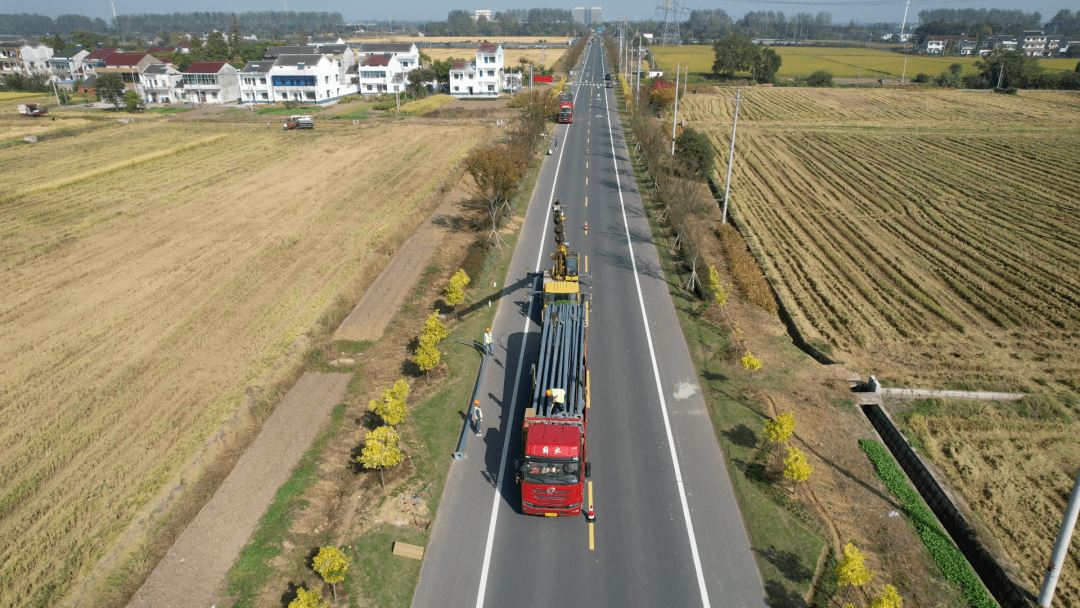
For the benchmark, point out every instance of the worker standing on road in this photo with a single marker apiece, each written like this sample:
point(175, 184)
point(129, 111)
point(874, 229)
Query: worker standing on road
point(558, 398)
point(487, 340)
point(477, 417)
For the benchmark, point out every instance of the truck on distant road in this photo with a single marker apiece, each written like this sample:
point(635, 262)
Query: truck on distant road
point(566, 108)
point(33, 109)
point(552, 468)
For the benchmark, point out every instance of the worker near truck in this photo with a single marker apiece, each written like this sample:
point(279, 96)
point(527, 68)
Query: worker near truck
point(558, 398)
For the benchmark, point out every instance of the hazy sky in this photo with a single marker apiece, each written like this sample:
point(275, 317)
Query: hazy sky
point(868, 11)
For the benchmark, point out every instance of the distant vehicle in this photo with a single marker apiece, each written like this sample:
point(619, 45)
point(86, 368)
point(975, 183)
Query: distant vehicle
point(566, 108)
point(33, 109)
point(300, 121)
point(607, 76)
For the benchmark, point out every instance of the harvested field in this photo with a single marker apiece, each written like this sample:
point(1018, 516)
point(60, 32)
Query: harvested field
point(153, 274)
point(842, 62)
point(512, 57)
point(18, 127)
point(924, 237)
point(459, 39)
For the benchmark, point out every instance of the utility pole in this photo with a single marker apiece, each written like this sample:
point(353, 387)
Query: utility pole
point(1068, 523)
point(530, 79)
point(675, 114)
point(731, 157)
point(637, 90)
point(1001, 72)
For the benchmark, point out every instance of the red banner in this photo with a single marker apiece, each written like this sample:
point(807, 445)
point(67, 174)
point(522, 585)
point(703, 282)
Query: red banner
point(542, 78)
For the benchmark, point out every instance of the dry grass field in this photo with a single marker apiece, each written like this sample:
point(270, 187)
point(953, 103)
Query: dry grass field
point(512, 57)
point(842, 62)
point(932, 238)
point(153, 273)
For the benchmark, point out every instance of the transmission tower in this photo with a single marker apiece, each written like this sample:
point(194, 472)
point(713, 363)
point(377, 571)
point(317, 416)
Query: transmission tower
point(672, 11)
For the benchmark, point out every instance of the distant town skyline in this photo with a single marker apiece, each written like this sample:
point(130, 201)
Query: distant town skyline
point(871, 11)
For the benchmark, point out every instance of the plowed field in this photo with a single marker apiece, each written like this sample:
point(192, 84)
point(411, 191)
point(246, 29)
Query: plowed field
point(152, 273)
point(931, 238)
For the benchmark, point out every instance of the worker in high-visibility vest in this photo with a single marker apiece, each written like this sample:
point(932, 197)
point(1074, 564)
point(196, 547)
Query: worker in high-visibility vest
point(558, 398)
point(487, 340)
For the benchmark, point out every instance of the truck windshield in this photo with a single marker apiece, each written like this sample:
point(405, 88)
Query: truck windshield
point(551, 472)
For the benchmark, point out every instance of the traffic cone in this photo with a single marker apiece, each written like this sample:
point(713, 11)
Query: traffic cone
point(590, 516)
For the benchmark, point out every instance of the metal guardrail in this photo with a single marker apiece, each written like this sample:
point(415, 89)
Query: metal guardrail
point(459, 453)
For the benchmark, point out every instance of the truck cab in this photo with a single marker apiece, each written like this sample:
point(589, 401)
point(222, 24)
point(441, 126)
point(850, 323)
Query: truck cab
point(552, 471)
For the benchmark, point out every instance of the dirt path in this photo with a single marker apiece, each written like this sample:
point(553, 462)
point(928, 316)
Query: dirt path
point(381, 301)
point(195, 566)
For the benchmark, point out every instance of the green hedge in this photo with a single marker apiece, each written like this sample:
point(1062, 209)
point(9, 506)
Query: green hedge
point(946, 555)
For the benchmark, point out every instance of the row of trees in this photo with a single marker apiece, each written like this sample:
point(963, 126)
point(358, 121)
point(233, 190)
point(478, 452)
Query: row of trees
point(1006, 70)
point(513, 22)
point(265, 22)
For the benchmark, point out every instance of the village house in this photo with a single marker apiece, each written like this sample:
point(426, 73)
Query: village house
point(307, 79)
point(66, 67)
point(210, 82)
point(161, 82)
point(129, 66)
point(96, 59)
point(255, 82)
point(483, 77)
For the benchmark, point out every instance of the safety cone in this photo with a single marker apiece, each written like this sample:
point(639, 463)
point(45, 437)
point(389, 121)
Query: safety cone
point(590, 516)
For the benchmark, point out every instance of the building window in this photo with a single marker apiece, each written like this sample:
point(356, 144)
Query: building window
point(262, 81)
point(293, 81)
point(326, 80)
point(264, 96)
point(491, 87)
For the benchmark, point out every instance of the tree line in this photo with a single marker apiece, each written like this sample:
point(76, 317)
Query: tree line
point(513, 22)
point(266, 22)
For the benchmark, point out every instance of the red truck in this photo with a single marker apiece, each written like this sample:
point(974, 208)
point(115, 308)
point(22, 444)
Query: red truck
point(566, 108)
point(552, 468)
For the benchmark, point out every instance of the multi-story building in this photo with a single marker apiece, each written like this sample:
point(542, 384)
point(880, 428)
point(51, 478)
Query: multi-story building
point(482, 12)
point(161, 83)
point(10, 59)
point(210, 82)
point(129, 66)
point(483, 77)
point(307, 79)
point(255, 82)
point(66, 67)
point(595, 16)
point(579, 14)
point(1033, 43)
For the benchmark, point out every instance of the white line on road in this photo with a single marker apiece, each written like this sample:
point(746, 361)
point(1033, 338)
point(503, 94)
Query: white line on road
point(513, 396)
point(656, 377)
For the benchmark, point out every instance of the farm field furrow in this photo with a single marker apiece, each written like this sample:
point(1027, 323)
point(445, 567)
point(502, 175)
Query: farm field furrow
point(154, 274)
point(932, 238)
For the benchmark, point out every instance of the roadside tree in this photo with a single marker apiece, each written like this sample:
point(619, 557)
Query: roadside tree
point(132, 101)
point(331, 564)
point(796, 468)
point(455, 291)
point(308, 599)
point(889, 598)
point(780, 429)
point(427, 357)
point(751, 364)
point(766, 65)
point(696, 151)
point(851, 572)
point(391, 408)
point(381, 451)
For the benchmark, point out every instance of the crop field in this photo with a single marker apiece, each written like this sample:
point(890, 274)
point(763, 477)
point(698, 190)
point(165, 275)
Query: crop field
point(13, 126)
point(512, 57)
point(842, 62)
point(926, 237)
point(443, 39)
point(152, 274)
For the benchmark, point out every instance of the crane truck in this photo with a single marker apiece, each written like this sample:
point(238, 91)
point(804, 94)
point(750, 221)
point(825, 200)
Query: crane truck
point(566, 107)
point(552, 468)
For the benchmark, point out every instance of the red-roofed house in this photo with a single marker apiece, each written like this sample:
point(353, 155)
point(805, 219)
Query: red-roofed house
point(483, 77)
point(211, 82)
point(378, 74)
point(129, 66)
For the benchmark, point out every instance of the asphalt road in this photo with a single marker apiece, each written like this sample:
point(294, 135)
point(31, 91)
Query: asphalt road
point(668, 531)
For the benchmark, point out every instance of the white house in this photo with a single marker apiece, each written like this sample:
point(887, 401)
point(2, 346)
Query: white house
point(66, 67)
point(211, 82)
point(408, 56)
point(307, 79)
point(483, 77)
point(320, 41)
point(255, 82)
point(1033, 43)
point(378, 74)
point(161, 82)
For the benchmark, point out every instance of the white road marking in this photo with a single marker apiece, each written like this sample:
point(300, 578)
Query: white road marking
point(656, 377)
point(513, 399)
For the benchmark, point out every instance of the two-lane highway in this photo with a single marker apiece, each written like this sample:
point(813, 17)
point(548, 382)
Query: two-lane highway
point(668, 532)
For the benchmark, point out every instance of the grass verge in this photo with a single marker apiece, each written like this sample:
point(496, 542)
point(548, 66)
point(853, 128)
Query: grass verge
point(945, 554)
point(250, 572)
